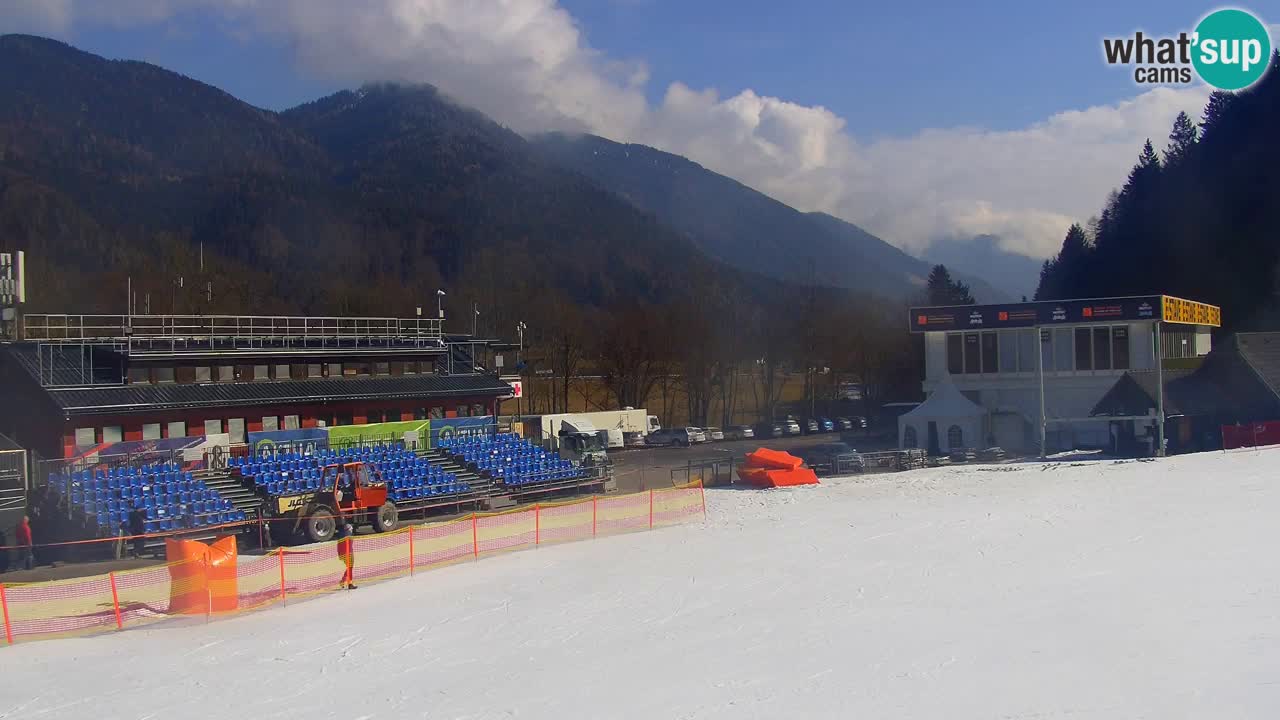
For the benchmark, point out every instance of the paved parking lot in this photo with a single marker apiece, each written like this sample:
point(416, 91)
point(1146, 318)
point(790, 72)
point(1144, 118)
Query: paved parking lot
point(644, 468)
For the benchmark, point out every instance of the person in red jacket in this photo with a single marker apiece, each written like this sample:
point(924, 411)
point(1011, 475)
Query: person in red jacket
point(23, 534)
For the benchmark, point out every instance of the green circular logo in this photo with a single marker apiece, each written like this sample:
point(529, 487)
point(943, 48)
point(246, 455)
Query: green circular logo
point(1232, 49)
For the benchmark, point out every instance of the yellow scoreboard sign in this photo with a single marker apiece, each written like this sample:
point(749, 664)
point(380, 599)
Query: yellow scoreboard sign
point(1189, 312)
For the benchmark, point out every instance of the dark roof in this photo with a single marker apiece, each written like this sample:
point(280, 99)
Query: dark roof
point(1135, 394)
point(128, 398)
point(1238, 381)
point(1261, 351)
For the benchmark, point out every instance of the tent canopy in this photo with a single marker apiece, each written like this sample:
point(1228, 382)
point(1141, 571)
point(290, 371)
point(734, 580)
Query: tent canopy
point(946, 401)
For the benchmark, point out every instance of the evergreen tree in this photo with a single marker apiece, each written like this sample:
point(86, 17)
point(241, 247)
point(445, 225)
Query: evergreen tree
point(943, 290)
point(1182, 139)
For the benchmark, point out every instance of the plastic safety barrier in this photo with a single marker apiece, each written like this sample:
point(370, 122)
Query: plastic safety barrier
point(212, 580)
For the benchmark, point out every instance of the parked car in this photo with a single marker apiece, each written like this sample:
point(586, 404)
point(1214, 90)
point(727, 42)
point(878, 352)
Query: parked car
point(827, 424)
point(859, 423)
point(739, 432)
point(697, 434)
point(844, 423)
point(835, 458)
point(771, 430)
point(811, 426)
point(791, 426)
point(714, 434)
point(670, 437)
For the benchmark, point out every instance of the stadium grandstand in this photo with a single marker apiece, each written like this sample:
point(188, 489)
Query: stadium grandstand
point(204, 423)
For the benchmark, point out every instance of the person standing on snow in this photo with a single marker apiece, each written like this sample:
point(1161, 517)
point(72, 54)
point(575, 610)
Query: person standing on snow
point(346, 551)
point(25, 554)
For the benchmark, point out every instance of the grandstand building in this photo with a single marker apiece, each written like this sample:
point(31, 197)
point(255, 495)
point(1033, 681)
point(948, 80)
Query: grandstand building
point(79, 384)
point(1030, 377)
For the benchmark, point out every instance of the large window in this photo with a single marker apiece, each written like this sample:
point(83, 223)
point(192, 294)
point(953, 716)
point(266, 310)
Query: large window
point(1009, 351)
point(261, 372)
point(972, 354)
point(139, 376)
point(1062, 347)
point(151, 431)
point(226, 373)
point(177, 429)
point(164, 374)
point(212, 427)
point(1084, 349)
point(235, 428)
point(335, 370)
point(292, 422)
point(1120, 348)
point(381, 368)
point(989, 352)
point(270, 423)
point(955, 354)
point(1102, 348)
point(204, 374)
point(437, 413)
point(1026, 351)
point(112, 434)
point(315, 370)
point(86, 437)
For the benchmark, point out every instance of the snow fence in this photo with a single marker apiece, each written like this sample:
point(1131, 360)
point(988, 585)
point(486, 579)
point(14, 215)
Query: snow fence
point(133, 598)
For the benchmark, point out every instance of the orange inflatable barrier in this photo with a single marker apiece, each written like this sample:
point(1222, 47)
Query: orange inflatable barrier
point(772, 468)
point(773, 459)
point(202, 577)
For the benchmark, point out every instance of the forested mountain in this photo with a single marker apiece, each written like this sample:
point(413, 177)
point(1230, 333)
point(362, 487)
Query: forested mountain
point(367, 202)
point(1200, 220)
point(362, 202)
point(1010, 272)
point(744, 228)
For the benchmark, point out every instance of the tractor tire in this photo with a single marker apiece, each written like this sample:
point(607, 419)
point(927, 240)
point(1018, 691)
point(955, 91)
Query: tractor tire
point(320, 525)
point(387, 518)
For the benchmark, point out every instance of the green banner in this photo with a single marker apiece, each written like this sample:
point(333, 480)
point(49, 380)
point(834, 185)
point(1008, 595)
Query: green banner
point(346, 435)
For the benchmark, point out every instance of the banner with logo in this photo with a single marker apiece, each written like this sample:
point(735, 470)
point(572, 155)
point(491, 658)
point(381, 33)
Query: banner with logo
point(305, 441)
point(460, 427)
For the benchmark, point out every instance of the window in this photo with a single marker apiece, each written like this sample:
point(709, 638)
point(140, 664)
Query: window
point(1084, 349)
point(344, 418)
point(184, 374)
point(151, 431)
point(164, 375)
point(261, 372)
point(955, 437)
point(315, 370)
point(955, 354)
point(177, 430)
point(1009, 352)
point(1102, 348)
point(354, 369)
point(212, 427)
point(409, 368)
point(270, 423)
point(374, 416)
point(1026, 351)
point(282, 372)
point(204, 374)
point(989, 353)
point(235, 429)
point(1063, 361)
point(419, 413)
point(1120, 348)
point(226, 373)
point(381, 368)
point(335, 370)
point(972, 354)
point(909, 438)
point(478, 410)
point(437, 413)
point(461, 410)
point(139, 376)
point(86, 437)
point(298, 372)
point(292, 422)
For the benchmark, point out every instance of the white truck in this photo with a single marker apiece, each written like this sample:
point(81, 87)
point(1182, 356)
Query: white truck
point(622, 427)
point(580, 441)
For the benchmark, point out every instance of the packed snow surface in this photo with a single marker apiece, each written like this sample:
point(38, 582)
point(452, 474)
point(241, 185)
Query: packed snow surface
point(1065, 590)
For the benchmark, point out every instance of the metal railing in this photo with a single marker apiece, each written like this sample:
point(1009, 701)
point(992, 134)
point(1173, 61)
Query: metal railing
point(13, 479)
point(195, 330)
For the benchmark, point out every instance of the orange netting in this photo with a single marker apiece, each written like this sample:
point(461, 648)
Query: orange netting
point(213, 580)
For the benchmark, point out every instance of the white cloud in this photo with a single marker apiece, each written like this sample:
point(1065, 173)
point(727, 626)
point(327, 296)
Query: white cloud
point(527, 64)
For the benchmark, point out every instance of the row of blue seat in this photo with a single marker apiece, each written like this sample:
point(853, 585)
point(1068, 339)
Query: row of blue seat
point(171, 498)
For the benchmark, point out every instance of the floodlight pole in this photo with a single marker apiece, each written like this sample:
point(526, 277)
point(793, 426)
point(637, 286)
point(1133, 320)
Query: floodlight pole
point(1044, 452)
point(1159, 391)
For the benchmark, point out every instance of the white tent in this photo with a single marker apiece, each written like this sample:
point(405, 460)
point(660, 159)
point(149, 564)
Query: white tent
point(957, 421)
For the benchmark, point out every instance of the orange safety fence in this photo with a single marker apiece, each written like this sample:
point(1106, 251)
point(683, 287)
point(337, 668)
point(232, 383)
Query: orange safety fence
point(213, 580)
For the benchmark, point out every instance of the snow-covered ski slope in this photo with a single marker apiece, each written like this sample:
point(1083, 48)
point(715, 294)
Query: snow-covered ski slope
point(1099, 590)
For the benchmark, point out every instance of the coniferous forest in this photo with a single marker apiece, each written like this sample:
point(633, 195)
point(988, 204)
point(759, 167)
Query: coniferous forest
point(1197, 218)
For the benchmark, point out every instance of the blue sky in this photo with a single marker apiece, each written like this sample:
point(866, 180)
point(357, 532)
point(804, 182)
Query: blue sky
point(887, 68)
point(922, 122)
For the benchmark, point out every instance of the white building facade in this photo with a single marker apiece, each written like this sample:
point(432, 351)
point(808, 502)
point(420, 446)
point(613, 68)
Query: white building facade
point(1084, 347)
